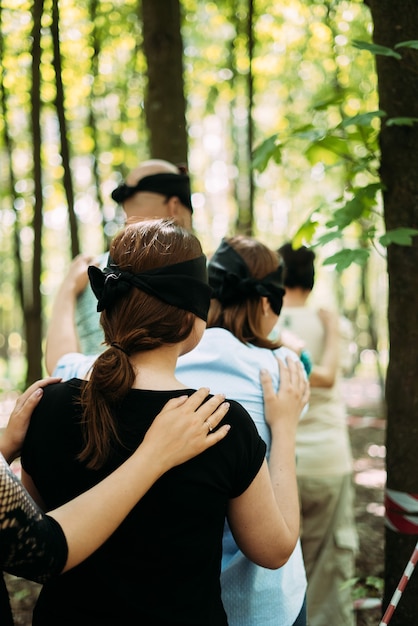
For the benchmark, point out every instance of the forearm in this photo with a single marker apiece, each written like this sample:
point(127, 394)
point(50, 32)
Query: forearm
point(282, 468)
point(7, 449)
point(324, 373)
point(89, 519)
point(61, 337)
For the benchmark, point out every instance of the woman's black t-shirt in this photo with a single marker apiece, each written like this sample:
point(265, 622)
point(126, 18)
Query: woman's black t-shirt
point(162, 566)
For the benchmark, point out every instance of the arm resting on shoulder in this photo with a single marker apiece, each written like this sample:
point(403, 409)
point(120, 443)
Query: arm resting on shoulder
point(61, 337)
point(265, 518)
point(178, 433)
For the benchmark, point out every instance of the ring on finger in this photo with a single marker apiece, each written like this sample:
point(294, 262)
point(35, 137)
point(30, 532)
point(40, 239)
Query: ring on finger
point(209, 425)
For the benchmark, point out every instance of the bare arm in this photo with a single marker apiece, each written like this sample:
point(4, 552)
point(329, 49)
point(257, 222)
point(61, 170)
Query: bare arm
point(265, 518)
point(61, 337)
point(324, 373)
point(12, 439)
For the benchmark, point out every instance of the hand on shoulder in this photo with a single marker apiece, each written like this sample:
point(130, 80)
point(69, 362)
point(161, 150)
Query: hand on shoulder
point(292, 396)
point(12, 440)
point(77, 278)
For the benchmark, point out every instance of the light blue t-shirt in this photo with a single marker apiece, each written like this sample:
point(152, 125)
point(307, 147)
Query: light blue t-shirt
point(252, 595)
point(73, 365)
point(87, 319)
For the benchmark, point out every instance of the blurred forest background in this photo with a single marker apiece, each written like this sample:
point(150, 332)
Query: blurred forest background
point(287, 80)
point(297, 120)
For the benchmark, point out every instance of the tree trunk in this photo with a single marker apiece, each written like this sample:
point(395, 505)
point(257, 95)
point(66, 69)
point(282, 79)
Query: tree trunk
point(243, 134)
point(398, 93)
point(33, 309)
point(8, 144)
point(246, 218)
point(65, 148)
point(96, 45)
point(165, 105)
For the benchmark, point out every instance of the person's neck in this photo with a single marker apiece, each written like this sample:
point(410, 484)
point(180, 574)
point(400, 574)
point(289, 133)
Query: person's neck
point(155, 369)
point(295, 296)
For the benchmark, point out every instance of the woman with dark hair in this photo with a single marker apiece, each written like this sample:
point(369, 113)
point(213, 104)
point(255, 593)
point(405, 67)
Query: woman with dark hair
point(38, 546)
point(247, 281)
point(161, 567)
point(325, 465)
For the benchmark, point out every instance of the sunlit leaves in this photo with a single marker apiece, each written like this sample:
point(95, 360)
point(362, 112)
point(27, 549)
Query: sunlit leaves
point(305, 232)
point(328, 149)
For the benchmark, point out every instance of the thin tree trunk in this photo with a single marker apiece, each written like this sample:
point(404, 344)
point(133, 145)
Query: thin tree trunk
point(96, 43)
point(243, 134)
point(248, 221)
point(165, 104)
point(7, 141)
point(398, 94)
point(33, 309)
point(65, 148)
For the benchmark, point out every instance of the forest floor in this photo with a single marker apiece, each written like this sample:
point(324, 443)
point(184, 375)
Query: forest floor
point(367, 432)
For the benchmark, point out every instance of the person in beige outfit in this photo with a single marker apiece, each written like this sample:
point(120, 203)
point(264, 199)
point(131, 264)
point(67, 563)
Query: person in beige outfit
point(324, 458)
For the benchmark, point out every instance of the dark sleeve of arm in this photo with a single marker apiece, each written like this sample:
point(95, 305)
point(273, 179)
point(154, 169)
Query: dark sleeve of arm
point(32, 544)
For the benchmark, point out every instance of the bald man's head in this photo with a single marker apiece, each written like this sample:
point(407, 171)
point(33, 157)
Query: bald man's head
point(149, 168)
point(156, 189)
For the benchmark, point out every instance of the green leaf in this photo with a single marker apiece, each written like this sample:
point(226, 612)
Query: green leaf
point(376, 582)
point(305, 232)
point(400, 236)
point(401, 121)
point(370, 191)
point(376, 49)
point(344, 258)
point(308, 132)
point(351, 582)
point(331, 235)
point(332, 99)
point(412, 43)
point(359, 206)
point(328, 149)
point(352, 210)
point(264, 152)
point(363, 119)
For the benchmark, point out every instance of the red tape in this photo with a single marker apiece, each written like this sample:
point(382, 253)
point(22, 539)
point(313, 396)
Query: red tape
point(401, 512)
point(400, 588)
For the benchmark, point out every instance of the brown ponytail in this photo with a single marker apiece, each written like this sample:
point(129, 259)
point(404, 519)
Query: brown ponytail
point(136, 322)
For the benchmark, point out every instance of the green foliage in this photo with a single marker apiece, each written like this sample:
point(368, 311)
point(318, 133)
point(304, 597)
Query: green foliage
point(376, 49)
point(413, 44)
point(401, 121)
point(346, 149)
point(370, 586)
point(315, 114)
point(344, 258)
point(268, 150)
point(399, 236)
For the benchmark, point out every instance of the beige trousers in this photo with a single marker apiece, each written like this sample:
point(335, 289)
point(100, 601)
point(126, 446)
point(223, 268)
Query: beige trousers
point(329, 544)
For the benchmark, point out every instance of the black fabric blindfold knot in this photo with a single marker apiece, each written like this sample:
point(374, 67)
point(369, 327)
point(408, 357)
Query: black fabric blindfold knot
point(183, 285)
point(166, 184)
point(232, 283)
